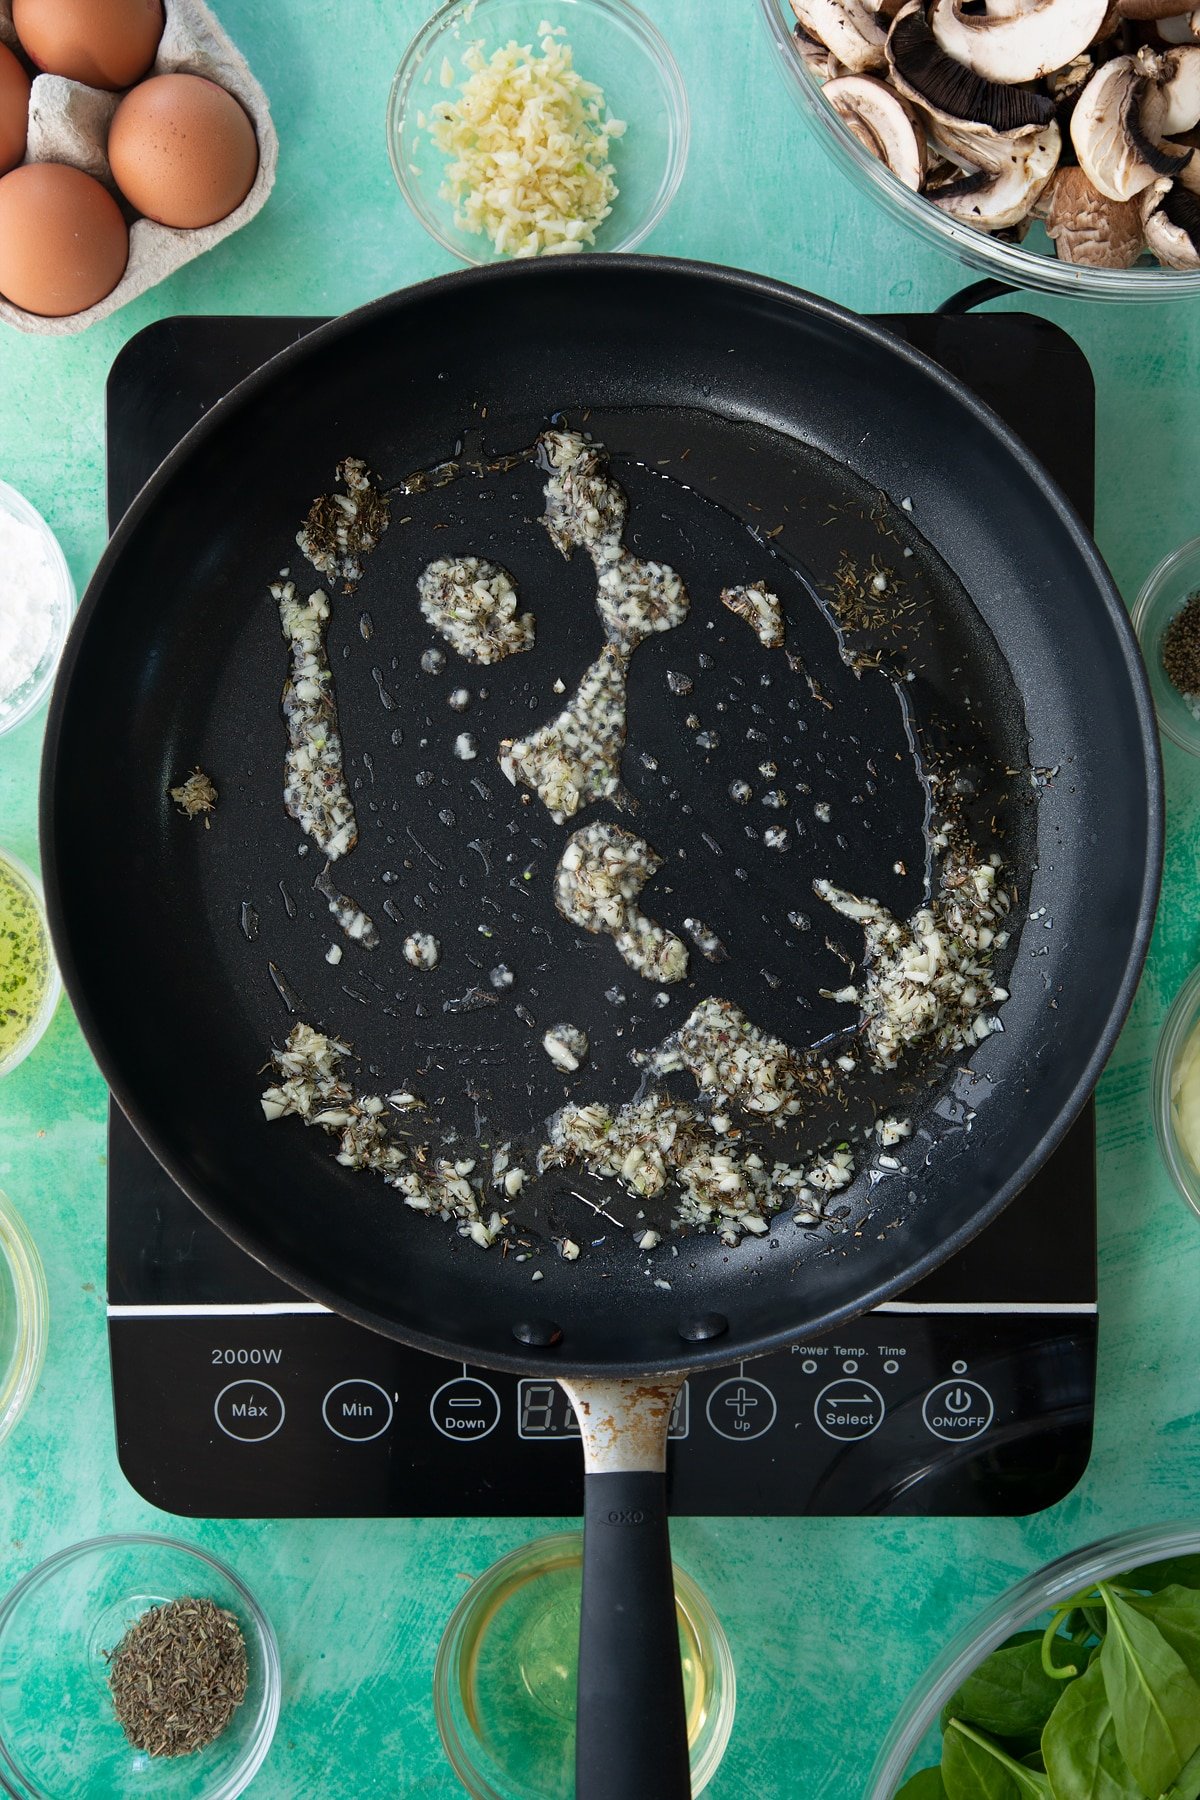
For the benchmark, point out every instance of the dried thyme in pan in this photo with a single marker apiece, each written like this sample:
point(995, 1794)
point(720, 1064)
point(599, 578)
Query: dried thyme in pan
point(178, 1676)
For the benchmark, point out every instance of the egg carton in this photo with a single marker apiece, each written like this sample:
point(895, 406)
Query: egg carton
point(68, 123)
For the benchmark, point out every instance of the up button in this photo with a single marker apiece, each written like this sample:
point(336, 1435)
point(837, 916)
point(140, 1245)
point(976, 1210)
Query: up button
point(957, 1411)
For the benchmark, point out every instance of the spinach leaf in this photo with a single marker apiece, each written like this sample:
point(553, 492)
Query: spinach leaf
point(1009, 1694)
point(1187, 1784)
point(927, 1785)
point(1184, 1570)
point(1176, 1612)
point(973, 1768)
point(1155, 1703)
point(1079, 1743)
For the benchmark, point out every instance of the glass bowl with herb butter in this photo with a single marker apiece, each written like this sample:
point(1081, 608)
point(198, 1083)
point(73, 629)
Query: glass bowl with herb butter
point(1166, 617)
point(1082, 1679)
point(1176, 1090)
point(155, 1664)
point(29, 980)
point(504, 1680)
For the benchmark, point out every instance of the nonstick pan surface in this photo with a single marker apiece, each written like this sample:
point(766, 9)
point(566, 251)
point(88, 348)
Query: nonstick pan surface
point(704, 382)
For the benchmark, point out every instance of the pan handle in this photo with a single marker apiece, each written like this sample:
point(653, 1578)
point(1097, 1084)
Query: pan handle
point(631, 1725)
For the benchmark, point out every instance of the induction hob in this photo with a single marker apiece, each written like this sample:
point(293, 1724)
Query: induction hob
point(236, 1397)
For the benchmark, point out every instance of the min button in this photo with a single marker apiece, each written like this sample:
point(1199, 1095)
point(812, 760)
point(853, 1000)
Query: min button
point(249, 1410)
point(357, 1411)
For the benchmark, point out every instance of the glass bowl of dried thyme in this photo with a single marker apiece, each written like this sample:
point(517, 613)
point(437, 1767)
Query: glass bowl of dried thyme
point(134, 1663)
point(1166, 617)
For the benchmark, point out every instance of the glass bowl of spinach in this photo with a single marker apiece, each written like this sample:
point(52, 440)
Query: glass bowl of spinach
point(1081, 1683)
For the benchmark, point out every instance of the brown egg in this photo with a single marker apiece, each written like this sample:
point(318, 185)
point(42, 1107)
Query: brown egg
point(63, 242)
point(107, 43)
point(14, 110)
point(182, 150)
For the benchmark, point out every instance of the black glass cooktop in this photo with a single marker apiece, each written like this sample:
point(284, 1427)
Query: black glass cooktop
point(235, 1397)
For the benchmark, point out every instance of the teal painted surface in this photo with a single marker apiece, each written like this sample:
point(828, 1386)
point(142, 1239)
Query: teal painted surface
point(830, 1622)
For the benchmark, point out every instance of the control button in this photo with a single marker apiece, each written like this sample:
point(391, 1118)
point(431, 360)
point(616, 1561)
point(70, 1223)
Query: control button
point(357, 1411)
point(741, 1408)
point(849, 1410)
point(249, 1410)
point(957, 1411)
point(465, 1408)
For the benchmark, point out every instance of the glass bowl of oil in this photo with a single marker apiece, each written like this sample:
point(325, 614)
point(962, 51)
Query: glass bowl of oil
point(30, 985)
point(23, 1314)
point(1176, 1089)
point(504, 1680)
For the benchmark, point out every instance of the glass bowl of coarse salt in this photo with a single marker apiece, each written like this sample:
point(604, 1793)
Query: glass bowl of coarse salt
point(37, 598)
point(520, 128)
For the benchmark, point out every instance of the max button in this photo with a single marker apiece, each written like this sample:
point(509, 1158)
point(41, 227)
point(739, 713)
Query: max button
point(957, 1411)
point(249, 1410)
point(357, 1411)
point(465, 1408)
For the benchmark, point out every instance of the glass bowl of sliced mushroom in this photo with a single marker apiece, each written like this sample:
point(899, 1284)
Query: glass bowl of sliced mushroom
point(1052, 143)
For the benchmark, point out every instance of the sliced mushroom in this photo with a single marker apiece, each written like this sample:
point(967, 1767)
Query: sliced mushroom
point(1117, 129)
point(884, 123)
point(1021, 42)
point(849, 29)
point(1152, 11)
point(995, 198)
point(1190, 177)
point(1180, 28)
point(819, 61)
point(1177, 72)
point(1086, 227)
point(1171, 221)
point(923, 73)
point(994, 152)
point(1066, 84)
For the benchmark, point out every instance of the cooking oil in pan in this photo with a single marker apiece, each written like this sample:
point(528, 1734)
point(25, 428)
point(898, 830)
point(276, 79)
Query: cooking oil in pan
point(505, 1680)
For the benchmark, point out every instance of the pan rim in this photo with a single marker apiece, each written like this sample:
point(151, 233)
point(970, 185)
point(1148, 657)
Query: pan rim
point(749, 285)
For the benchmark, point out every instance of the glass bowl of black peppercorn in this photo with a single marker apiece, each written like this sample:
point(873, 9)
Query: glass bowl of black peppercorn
point(1166, 617)
point(134, 1665)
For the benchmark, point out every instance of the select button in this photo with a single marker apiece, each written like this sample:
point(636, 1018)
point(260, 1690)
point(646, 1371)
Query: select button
point(249, 1410)
point(357, 1411)
point(849, 1410)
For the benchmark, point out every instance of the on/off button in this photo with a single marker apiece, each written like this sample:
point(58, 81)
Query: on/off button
point(957, 1411)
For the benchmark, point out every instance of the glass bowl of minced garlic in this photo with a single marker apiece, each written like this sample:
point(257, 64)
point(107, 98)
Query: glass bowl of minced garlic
point(520, 130)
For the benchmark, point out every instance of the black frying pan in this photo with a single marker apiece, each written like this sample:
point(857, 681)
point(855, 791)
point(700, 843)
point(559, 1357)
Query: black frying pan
point(778, 409)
